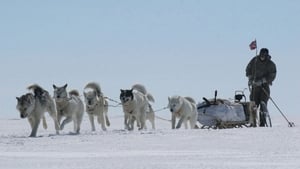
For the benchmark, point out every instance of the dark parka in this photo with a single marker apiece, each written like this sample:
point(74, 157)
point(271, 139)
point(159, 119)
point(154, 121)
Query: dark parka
point(257, 70)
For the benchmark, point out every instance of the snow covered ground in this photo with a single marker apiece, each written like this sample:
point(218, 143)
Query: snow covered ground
point(260, 148)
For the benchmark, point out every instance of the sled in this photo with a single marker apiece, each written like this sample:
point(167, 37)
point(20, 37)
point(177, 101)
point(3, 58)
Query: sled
point(221, 113)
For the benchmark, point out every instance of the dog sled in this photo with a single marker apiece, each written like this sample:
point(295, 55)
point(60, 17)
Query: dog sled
point(221, 113)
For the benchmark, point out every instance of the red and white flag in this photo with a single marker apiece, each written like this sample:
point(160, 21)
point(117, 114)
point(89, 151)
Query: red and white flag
point(253, 45)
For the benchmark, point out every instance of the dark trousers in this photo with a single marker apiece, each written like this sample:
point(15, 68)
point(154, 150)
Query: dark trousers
point(258, 94)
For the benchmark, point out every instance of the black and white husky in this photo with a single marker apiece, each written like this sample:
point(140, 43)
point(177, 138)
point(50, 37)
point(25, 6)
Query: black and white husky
point(33, 107)
point(136, 106)
point(68, 105)
point(96, 105)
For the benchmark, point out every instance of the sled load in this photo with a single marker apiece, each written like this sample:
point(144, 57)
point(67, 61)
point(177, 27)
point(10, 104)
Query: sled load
point(221, 113)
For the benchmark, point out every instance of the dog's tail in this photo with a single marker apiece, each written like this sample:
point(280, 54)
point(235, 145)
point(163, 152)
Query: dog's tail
point(37, 90)
point(95, 86)
point(74, 93)
point(190, 100)
point(150, 97)
point(139, 87)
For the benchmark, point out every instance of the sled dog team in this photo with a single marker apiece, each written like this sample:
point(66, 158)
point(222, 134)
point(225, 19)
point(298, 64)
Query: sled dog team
point(66, 107)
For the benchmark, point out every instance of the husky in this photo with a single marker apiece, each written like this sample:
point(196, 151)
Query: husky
point(183, 108)
point(68, 105)
point(136, 105)
point(96, 105)
point(33, 107)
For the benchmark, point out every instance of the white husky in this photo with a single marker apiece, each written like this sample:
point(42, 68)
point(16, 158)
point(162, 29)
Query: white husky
point(33, 107)
point(67, 106)
point(183, 108)
point(136, 106)
point(96, 105)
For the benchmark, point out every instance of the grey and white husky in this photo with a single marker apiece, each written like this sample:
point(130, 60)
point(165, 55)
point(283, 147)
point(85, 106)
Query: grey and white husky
point(136, 106)
point(34, 106)
point(68, 105)
point(96, 105)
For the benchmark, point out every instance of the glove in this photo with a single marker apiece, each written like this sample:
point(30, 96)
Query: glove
point(250, 82)
point(264, 81)
point(257, 83)
point(261, 82)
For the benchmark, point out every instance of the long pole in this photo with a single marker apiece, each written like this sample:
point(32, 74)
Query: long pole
point(290, 124)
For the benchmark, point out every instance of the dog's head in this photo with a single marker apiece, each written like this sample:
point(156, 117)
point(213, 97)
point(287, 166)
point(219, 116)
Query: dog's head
point(25, 104)
point(60, 93)
point(175, 103)
point(126, 95)
point(90, 98)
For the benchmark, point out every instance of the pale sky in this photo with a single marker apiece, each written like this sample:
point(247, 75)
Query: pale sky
point(173, 47)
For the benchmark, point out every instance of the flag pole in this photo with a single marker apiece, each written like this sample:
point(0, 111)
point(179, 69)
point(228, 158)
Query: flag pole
point(256, 47)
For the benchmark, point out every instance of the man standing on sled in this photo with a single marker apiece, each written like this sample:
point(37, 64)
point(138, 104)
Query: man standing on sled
point(261, 72)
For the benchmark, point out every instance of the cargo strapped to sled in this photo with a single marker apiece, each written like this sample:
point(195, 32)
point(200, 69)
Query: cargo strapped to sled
point(222, 113)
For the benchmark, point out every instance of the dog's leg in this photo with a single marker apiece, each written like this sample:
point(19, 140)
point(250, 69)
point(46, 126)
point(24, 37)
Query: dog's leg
point(152, 120)
point(153, 123)
point(143, 120)
point(76, 123)
point(185, 124)
point(107, 120)
point(138, 122)
point(131, 122)
point(105, 110)
point(173, 121)
point(126, 121)
point(59, 118)
point(133, 119)
point(77, 128)
point(193, 121)
point(101, 121)
point(91, 117)
point(53, 113)
point(79, 120)
point(31, 122)
point(182, 118)
point(44, 123)
point(35, 125)
point(66, 121)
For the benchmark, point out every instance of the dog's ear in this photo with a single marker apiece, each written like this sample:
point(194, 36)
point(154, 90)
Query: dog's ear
point(65, 86)
point(122, 91)
point(29, 98)
point(54, 87)
point(18, 98)
point(169, 98)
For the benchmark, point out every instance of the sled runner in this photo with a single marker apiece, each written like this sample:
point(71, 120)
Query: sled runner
point(221, 113)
